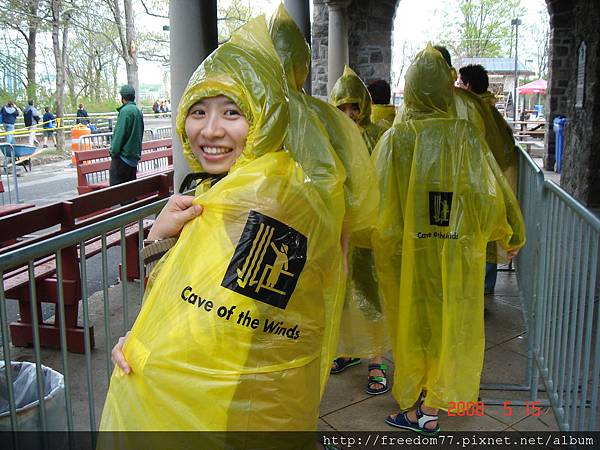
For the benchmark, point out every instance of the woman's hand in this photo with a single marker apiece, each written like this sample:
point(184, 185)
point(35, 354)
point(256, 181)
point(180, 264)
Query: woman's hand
point(117, 356)
point(169, 223)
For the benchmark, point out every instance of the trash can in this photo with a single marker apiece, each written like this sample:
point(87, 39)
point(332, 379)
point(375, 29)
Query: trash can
point(559, 124)
point(25, 389)
point(538, 110)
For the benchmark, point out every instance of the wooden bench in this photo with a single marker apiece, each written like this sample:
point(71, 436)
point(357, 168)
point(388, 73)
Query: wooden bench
point(93, 165)
point(57, 218)
point(11, 208)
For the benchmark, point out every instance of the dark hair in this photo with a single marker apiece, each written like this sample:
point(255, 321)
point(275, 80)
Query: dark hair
point(380, 92)
point(476, 77)
point(129, 97)
point(30, 102)
point(445, 53)
point(47, 109)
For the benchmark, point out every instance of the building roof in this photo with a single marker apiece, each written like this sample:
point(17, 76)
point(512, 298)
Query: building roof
point(497, 65)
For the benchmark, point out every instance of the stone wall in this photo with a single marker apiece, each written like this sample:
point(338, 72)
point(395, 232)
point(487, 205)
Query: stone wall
point(319, 34)
point(581, 155)
point(370, 26)
point(369, 40)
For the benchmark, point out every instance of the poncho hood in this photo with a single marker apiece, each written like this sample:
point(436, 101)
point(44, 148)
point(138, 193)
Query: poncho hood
point(428, 87)
point(245, 69)
point(291, 47)
point(349, 88)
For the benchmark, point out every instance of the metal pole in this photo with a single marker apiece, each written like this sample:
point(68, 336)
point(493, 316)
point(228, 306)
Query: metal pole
point(516, 22)
point(193, 36)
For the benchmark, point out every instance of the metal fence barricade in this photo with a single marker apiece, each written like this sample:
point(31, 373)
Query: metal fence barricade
point(95, 141)
point(162, 132)
point(566, 338)
point(557, 272)
point(81, 414)
point(9, 170)
point(148, 135)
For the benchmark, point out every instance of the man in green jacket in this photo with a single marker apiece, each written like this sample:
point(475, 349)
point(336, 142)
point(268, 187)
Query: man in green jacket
point(126, 146)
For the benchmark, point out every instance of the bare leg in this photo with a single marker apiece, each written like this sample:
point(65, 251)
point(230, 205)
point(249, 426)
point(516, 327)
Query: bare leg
point(376, 373)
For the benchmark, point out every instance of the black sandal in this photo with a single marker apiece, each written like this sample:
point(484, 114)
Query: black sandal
point(342, 364)
point(377, 380)
point(402, 421)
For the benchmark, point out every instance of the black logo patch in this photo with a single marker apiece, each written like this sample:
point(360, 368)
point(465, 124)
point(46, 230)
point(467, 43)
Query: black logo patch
point(440, 205)
point(267, 261)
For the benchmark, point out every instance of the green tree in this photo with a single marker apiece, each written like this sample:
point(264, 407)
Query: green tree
point(23, 17)
point(479, 28)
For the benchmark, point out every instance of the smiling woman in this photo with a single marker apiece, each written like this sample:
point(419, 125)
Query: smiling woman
point(217, 130)
point(265, 253)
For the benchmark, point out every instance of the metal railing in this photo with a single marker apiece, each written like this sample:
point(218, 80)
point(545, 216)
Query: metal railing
point(162, 132)
point(95, 362)
point(558, 279)
point(103, 140)
point(9, 169)
point(95, 141)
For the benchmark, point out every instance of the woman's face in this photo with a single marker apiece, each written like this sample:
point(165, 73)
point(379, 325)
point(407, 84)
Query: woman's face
point(217, 130)
point(351, 110)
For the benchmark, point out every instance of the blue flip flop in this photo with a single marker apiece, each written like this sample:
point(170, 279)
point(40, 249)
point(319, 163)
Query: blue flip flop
point(402, 421)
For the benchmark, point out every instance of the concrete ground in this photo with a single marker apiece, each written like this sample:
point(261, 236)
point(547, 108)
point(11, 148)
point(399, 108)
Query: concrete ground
point(345, 406)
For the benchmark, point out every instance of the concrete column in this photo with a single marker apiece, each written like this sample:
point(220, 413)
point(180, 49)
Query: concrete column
point(337, 51)
point(300, 12)
point(193, 36)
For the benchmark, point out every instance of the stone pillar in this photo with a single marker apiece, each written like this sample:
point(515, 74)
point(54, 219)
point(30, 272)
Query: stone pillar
point(300, 12)
point(578, 22)
point(338, 41)
point(562, 68)
point(193, 36)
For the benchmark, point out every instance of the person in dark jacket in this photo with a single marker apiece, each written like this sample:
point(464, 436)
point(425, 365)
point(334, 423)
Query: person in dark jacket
point(81, 112)
point(126, 146)
point(31, 118)
point(9, 113)
point(48, 123)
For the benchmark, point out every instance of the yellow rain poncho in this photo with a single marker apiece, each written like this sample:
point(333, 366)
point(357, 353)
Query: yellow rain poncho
point(442, 199)
point(498, 136)
point(363, 332)
point(236, 327)
point(383, 115)
point(497, 133)
point(361, 194)
point(349, 88)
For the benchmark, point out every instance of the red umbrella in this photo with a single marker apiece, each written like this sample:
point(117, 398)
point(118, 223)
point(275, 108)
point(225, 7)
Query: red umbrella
point(535, 87)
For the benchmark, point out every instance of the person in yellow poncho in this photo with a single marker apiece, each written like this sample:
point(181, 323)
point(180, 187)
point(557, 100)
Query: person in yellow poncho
point(236, 324)
point(363, 331)
point(499, 135)
point(471, 106)
point(382, 113)
point(360, 191)
point(443, 197)
point(350, 95)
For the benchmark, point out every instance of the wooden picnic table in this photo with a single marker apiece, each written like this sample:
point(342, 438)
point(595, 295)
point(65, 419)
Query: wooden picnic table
point(525, 134)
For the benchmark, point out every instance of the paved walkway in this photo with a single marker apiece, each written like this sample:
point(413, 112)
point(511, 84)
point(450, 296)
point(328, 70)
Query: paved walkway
point(347, 407)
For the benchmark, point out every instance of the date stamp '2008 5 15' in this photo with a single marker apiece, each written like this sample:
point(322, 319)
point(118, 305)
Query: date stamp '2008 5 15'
point(532, 408)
